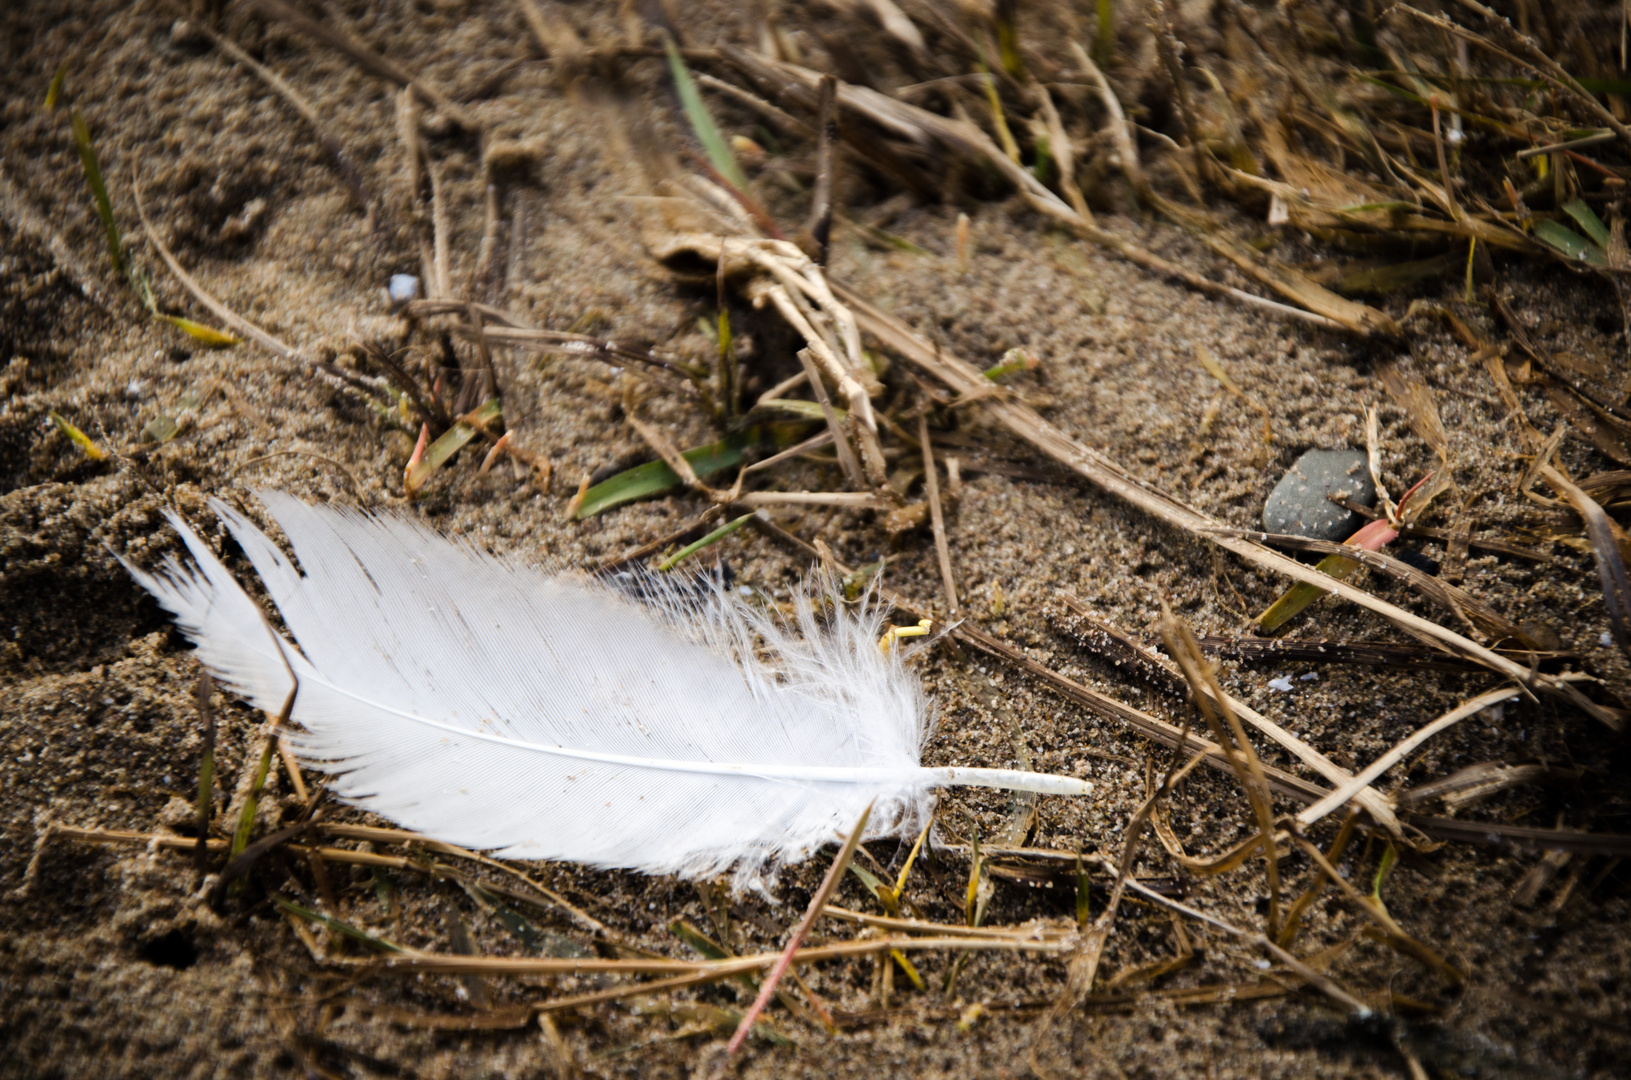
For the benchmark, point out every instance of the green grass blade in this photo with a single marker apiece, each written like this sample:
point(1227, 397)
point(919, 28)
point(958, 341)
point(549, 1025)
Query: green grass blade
point(53, 94)
point(713, 143)
point(207, 336)
point(699, 941)
point(99, 190)
point(714, 537)
point(86, 444)
point(1563, 239)
point(1104, 41)
point(450, 443)
point(1300, 595)
point(1588, 220)
point(376, 943)
point(655, 477)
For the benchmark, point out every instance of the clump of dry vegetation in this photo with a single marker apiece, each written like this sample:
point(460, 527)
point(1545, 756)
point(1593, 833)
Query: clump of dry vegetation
point(1386, 175)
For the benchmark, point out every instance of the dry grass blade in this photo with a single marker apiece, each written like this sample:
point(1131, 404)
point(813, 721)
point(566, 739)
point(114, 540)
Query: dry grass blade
point(835, 428)
point(206, 768)
point(821, 202)
point(1278, 651)
point(829, 885)
point(1226, 728)
point(937, 516)
point(367, 59)
point(1528, 836)
point(1382, 764)
point(635, 554)
point(1412, 395)
point(918, 926)
point(1474, 783)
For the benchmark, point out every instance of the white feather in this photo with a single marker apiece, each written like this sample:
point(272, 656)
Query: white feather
point(539, 716)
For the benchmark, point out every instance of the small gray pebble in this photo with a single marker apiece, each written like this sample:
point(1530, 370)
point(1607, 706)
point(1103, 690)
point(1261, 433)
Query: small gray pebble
point(1298, 503)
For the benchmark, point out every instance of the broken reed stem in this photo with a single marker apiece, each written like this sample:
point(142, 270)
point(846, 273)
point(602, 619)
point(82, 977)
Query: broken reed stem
point(937, 517)
point(206, 769)
point(846, 453)
point(818, 902)
point(821, 204)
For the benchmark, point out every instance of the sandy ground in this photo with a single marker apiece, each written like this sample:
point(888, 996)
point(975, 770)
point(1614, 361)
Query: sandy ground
point(112, 964)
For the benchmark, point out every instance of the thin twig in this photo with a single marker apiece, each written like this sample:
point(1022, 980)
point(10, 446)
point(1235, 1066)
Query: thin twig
point(1386, 761)
point(349, 173)
point(937, 516)
point(818, 902)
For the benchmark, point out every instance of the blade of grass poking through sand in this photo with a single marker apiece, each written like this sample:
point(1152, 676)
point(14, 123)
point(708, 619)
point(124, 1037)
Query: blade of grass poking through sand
point(829, 885)
point(451, 442)
point(713, 537)
point(719, 152)
point(1372, 536)
point(86, 445)
point(1570, 243)
point(53, 93)
point(99, 190)
point(1104, 35)
point(655, 477)
point(376, 943)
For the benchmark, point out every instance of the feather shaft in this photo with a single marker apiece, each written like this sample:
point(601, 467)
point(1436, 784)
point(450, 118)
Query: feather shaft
point(948, 776)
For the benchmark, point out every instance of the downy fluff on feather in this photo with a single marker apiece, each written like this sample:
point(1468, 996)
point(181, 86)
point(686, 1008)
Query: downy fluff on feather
point(545, 716)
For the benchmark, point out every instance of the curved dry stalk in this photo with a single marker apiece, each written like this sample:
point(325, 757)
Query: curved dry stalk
point(231, 318)
point(349, 173)
point(1377, 805)
point(1373, 909)
point(1386, 761)
point(1226, 728)
point(1326, 985)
